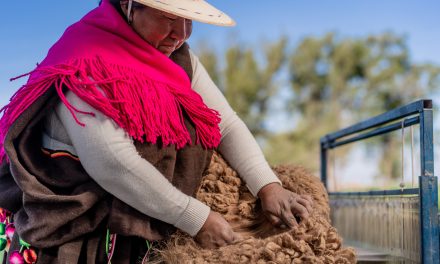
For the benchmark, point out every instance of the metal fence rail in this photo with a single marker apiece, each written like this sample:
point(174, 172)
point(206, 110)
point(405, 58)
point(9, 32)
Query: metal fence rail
point(419, 112)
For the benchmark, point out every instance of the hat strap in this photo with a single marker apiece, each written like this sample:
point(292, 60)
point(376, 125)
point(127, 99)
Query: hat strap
point(130, 5)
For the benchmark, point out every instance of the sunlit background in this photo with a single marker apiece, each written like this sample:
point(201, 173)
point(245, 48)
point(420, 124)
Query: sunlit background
point(293, 70)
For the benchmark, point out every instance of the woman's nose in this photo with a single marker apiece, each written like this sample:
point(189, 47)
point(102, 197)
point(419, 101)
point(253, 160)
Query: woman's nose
point(181, 30)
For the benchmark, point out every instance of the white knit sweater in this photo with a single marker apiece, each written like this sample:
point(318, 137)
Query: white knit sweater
point(109, 156)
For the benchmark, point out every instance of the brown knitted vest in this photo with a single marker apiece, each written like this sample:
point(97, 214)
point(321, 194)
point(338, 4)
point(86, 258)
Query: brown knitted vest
point(61, 211)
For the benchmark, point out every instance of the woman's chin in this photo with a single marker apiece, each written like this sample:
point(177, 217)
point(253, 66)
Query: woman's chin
point(167, 50)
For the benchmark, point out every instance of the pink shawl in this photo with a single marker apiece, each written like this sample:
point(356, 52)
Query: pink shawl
point(141, 89)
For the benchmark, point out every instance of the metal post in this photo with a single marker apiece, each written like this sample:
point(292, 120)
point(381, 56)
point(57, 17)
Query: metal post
point(429, 222)
point(426, 143)
point(324, 162)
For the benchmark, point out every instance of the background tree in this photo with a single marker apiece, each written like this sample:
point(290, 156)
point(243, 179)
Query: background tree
point(339, 81)
point(248, 84)
point(335, 82)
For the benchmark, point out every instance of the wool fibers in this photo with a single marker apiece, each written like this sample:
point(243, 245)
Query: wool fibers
point(313, 241)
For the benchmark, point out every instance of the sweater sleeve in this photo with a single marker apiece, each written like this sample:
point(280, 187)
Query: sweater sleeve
point(237, 146)
point(109, 156)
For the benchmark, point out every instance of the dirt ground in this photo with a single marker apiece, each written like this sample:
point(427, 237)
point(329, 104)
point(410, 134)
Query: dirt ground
point(313, 241)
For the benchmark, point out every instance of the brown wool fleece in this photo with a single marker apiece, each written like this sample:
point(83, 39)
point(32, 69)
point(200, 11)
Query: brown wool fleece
point(313, 241)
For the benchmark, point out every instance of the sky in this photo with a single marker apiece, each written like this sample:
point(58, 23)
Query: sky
point(29, 28)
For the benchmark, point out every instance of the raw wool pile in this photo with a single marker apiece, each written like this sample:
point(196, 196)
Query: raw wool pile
point(313, 241)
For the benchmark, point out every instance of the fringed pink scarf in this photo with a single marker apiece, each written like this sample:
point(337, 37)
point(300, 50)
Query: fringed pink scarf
point(141, 89)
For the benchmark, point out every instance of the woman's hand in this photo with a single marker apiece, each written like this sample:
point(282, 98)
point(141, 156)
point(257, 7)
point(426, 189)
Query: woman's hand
point(216, 232)
point(281, 206)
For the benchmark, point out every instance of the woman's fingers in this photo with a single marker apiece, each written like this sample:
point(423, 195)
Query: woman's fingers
point(237, 238)
point(281, 206)
point(299, 209)
point(308, 197)
point(274, 220)
point(216, 232)
point(306, 203)
point(229, 236)
point(220, 243)
point(288, 218)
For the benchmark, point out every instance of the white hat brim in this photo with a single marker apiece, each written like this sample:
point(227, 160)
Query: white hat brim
point(197, 10)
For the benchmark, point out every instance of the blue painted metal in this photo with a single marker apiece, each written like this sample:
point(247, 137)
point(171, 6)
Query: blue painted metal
point(324, 166)
point(398, 113)
point(429, 220)
point(412, 191)
point(379, 131)
point(426, 143)
point(428, 192)
point(428, 186)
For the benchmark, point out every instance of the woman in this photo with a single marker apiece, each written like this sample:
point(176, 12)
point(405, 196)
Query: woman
point(112, 133)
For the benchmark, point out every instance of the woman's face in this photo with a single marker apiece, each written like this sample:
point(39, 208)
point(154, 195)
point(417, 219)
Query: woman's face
point(164, 31)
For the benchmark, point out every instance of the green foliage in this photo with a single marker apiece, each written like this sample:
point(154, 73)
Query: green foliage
point(341, 81)
point(246, 83)
point(209, 60)
point(335, 82)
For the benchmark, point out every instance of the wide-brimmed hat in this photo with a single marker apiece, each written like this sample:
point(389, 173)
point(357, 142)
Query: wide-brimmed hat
point(198, 10)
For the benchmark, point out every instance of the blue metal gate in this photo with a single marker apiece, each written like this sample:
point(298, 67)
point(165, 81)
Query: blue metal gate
point(419, 112)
